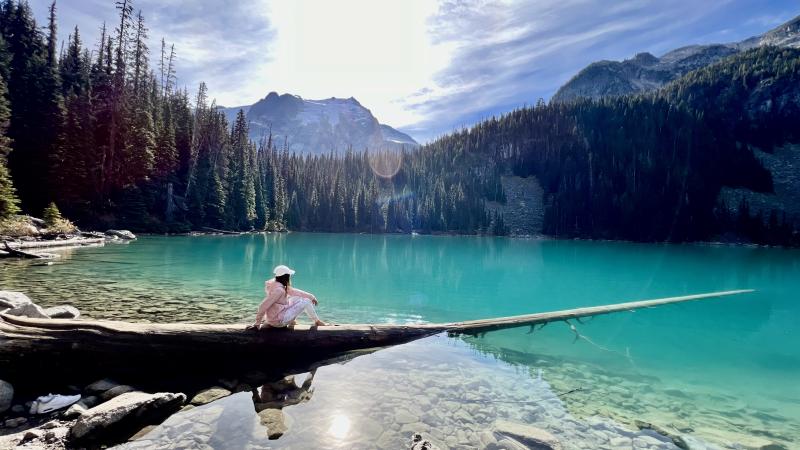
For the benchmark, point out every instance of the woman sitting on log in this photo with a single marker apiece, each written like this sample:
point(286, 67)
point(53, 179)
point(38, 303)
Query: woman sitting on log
point(284, 303)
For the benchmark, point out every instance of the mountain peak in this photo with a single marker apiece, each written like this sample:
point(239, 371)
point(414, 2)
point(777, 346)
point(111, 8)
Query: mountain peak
point(318, 126)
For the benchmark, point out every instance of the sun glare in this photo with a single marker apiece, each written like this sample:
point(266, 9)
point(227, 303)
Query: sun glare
point(340, 426)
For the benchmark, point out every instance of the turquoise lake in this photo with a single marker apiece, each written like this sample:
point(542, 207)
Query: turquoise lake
point(724, 370)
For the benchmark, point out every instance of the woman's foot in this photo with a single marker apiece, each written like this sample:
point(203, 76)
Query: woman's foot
point(292, 323)
point(319, 323)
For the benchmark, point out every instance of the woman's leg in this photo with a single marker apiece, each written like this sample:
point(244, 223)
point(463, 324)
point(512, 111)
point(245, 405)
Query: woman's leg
point(310, 311)
point(298, 306)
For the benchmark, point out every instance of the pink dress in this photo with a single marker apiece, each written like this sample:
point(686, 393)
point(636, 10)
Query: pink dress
point(280, 308)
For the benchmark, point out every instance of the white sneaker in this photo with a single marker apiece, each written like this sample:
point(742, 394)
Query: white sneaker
point(52, 402)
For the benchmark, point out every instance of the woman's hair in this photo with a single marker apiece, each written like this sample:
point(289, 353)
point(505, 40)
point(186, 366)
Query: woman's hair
point(284, 280)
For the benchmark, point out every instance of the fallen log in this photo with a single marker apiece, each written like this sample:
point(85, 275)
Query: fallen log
point(32, 347)
point(72, 242)
point(13, 252)
point(215, 230)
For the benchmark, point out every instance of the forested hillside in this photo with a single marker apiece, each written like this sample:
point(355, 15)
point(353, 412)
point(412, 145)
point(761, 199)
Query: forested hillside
point(650, 168)
point(115, 143)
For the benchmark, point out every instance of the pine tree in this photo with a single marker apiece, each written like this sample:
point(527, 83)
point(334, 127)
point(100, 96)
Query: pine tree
point(35, 103)
point(51, 215)
point(8, 196)
point(242, 195)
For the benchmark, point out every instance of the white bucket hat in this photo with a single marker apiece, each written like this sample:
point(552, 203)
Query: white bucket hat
point(282, 270)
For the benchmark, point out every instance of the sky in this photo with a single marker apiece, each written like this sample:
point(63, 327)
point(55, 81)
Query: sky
point(426, 67)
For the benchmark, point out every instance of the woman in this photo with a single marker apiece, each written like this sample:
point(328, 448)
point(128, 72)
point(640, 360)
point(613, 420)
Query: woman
point(284, 303)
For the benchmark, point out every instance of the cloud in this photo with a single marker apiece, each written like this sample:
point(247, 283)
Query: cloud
point(428, 66)
point(510, 53)
point(226, 44)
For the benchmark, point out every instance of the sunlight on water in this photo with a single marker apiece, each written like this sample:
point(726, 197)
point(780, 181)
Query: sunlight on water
point(723, 368)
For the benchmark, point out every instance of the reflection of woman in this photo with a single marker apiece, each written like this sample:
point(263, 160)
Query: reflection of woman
point(284, 303)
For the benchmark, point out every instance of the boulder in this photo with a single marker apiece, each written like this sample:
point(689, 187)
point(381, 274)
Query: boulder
point(530, 436)
point(31, 310)
point(89, 401)
point(15, 422)
point(508, 444)
point(120, 417)
point(122, 234)
point(115, 391)
point(74, 411)
point(676, 438)
point(62, 312)
point(12, 299)
point(273, 420)
point(209, 395)
point(6, 395)
point(101, 386)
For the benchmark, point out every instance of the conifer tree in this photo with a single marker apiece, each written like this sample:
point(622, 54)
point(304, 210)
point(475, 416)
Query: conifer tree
point(8, 196)
point(35, 103)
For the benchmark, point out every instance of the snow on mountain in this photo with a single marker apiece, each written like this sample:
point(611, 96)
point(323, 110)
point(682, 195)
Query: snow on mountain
point(319, 126)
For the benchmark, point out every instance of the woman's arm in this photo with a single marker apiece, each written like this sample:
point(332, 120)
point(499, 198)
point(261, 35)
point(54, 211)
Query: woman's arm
point(302, 293)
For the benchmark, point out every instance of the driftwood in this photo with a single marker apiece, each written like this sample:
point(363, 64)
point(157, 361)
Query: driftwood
point(71, 242)
point(13, 252)
point(32, 347)
point(18, 249)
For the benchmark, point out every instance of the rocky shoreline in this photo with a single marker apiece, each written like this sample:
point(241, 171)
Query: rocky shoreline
point(30, 235)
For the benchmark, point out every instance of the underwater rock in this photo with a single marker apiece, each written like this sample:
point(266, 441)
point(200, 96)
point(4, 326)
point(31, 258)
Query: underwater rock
point(6, 395)
point(403, 416)
point(509, 444)
point(533, 437)
point(123, 414)
point(62, 312)
point(274, 421)
point(676, 438)
point(31, 310)
point(13, 299)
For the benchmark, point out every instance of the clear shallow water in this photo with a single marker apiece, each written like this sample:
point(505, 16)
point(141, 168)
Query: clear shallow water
point(724, 369)
point(438, 387)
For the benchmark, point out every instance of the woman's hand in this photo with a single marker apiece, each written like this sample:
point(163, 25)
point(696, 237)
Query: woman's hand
point(314, 301)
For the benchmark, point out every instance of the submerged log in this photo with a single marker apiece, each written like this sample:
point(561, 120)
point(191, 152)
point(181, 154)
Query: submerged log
point(31, 347)
point(13, 252)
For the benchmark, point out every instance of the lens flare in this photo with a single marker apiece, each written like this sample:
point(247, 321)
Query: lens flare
point(385, 163)
point(384, 199)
